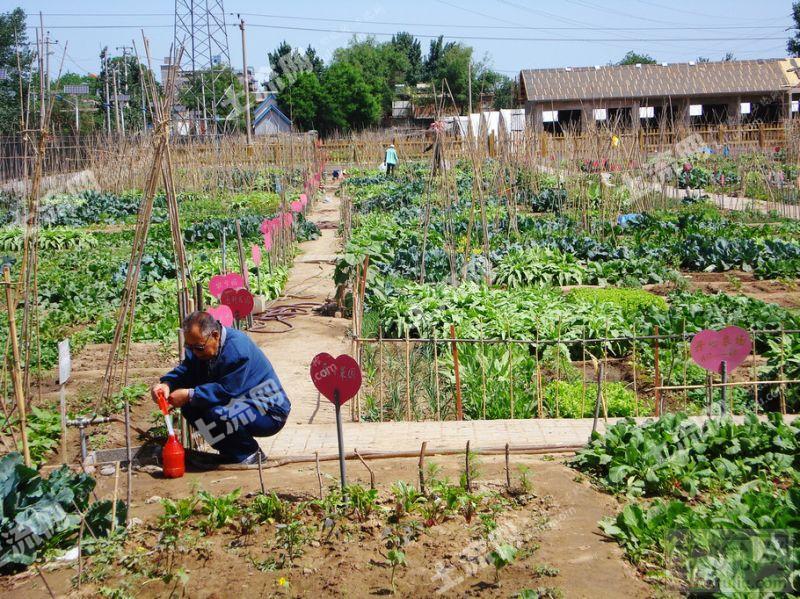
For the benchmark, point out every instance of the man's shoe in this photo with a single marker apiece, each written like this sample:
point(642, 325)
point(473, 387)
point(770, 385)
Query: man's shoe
point(251, 460)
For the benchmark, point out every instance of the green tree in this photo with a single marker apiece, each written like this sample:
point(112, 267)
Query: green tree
point(349, 103)
point(382, 66)
point(12, 40)
point(410, 47)
point(303, 101)
point(635, 58)
point(793, 45)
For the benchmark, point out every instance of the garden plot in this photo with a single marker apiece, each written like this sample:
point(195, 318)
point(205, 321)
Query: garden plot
point(85, 248)
point(189, 533)
point(547, 283)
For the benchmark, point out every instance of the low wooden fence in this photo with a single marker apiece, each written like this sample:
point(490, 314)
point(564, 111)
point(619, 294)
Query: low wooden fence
point(439, 379)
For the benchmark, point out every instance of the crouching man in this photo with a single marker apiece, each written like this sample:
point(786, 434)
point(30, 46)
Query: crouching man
point(226, 389)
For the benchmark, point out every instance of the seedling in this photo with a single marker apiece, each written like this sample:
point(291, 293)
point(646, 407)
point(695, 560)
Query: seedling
point(396, 558)
point(219, 511)
point(501, 557)
point(362, 501)
point(407, 499)
point(290, 537)
point(545, 570)
point(524, 479)
point(270, 508)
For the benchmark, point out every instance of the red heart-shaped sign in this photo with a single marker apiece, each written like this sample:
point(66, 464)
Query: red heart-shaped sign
point(223, 314)
point(220, 283)
point(336, 376)
point(240, 301)
point(731, 345)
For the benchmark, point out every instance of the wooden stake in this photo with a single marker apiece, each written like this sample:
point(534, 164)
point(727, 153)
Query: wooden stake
point(261, 473)
point(408, 377)
point(436, 378)
point(380, 372)
point(508, 470)
point(319, 475)
point(371, 473)
point(657, 374)
point(16, 373)
point(44, 580)
point(466, 469)
point(421, 468)
point(114, 500)
point(459, 407)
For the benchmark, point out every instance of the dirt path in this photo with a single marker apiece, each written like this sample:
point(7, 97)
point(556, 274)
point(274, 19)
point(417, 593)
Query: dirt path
point(310, 280)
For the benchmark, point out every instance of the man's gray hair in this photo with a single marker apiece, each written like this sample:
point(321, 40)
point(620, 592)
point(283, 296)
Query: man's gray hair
point(205, 321)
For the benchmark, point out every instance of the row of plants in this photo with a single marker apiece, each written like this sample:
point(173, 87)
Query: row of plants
point(284, 536)
point(726, 503)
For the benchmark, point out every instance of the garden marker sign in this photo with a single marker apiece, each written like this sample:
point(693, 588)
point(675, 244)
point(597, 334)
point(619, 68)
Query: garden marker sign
point(220, 283)
point(338, 379)
point(731, 345)
point(721, 352)
point(240, 301)
point(223, 314)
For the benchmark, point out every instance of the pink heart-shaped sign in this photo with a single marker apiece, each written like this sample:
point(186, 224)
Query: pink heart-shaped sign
point(240, 301)
point(731, 345)
point(255, 252)
point(223, 314)
point(268, 241)
point(296, 206)
point(220, 283)
point(336, 376)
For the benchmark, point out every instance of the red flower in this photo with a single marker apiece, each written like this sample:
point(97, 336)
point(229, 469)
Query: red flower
point(687, 167)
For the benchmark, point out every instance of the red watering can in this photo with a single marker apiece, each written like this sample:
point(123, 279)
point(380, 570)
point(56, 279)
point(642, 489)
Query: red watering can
point(172, 454)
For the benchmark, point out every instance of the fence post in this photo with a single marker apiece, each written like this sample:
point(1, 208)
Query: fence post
point(657, 374)
point(459, 407)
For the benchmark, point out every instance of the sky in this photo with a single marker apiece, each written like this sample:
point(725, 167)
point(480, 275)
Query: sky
point(509, 34)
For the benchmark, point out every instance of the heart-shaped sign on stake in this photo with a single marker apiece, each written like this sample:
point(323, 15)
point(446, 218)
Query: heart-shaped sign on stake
point(255, 251)
point(223, 314)
point(338, 379)
point(731, 345)
point(240, 301)
point(220, 283)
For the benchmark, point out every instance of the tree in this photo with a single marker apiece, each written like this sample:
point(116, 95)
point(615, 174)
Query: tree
point(634, 58)
point(348, 101)
point(288, 63)
point(381, 65)
point(409, 46)
point(12, 40)
point(303, 101)
point(793, 45)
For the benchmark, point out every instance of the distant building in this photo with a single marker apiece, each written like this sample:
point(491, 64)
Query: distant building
point(652, 95)
point(268, 119)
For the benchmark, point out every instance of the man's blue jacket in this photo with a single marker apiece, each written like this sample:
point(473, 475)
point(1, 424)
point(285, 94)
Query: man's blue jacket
point(239, 372)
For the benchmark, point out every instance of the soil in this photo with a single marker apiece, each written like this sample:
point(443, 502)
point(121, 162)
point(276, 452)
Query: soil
point(556, 529)
point(782, 293)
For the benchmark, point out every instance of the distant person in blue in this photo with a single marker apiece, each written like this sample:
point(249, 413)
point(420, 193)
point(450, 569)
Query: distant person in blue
point(391, 160)
point(226, 389)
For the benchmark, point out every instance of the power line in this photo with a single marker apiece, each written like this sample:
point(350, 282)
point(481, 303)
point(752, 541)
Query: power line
point(453, 25)
point(451, 36)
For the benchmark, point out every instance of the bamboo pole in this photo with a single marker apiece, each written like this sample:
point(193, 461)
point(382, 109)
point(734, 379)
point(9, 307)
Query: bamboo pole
point(408, 376)
point(436, 378)
point(459, 407)
point(421, 467)
point(16, 373)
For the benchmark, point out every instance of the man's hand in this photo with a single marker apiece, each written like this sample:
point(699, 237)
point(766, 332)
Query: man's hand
point(179, 397)
point(156, 388)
